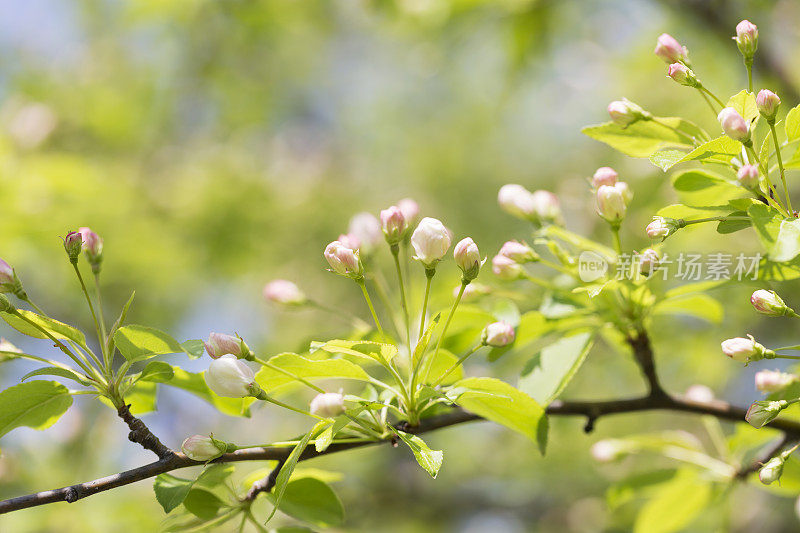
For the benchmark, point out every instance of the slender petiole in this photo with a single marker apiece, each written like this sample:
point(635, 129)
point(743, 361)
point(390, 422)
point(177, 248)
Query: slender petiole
point(371, 307)
point(286, 373)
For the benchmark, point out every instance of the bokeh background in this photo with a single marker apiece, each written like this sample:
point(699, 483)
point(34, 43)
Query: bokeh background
point(216, 145)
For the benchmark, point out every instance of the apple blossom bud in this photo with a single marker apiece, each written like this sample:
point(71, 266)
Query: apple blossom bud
point(611, 203)
point(468, 258)
point(327, 405)
point(93, 246)
point(745, 350)
point(747, 38)
point(518, 252)
point(367, 230)
point(771, 471)
point(343, 260)
point(282, 291)
point(763, 412)
point(769, 381)
point(769, 303)
point(767, 103)
point(393, 224)
point(748, 176)
point(430, 240)
point(699, 393)
point(662, 227)
point(546, 207)
point(498, 334)
point(649, 261)
point(349, 240)
point(506, 269)
point(72, 244)
point(604, 176)
point(200, 448)
point(682, 74)
point(624, 113)
point(669, 49)
point(219, 344)
point(627, 193)
point(5, 305)
point(733, 125)
point(607, 450)
point(472, 291)
point(6, 274)
point(229, 377)
point(410, 210)
point(517, 201)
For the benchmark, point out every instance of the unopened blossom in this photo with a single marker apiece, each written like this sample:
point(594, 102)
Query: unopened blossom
point(771, 471)
point(769, 303)
point(699, 393)
point(516, 200)
point(745, 350)
point(201, 448)
point(649, 261)
point(328, 405)
point(625, 190)
point(682, 74)
point(349, 240)
point(506, 268)
point(747, 176)
point(231, 377)
point(498, 334)
point(763, 412)
point(669, 49)
point(73, 243)
point(662, 227)
point(7, 276)
point(518, 252)
point(767, 103)
point(769, 381)
point(733, 125)
point(367, 229)
point(430, 240)
point(219, 344)
point(546, 207)
point(746, 38)
point(604, 176)
point(393, 224)
point(611, 204)
point(468, 258)
point(344, 260)
point(410, 210)
point(92, 243)
point(624, 113)
point(285, 292)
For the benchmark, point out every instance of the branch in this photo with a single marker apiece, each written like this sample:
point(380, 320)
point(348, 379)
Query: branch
point(589, 409)
point(643, 353)
point(142, 435)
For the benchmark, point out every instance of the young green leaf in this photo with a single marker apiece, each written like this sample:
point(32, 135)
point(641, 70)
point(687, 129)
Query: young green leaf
point(675, 505)
point(157, 371)
point(120, 321)
point(202, 503)
point(376, 351)
point(744, 102)
point(312, 369)
point(787, 244)
point(312, 500)
point(35, 404)
point(171, 491)
point(430, 460)
point(140, 342)
point(701, 306)
point(422, 345)
point(60, 372)
point(792, 125)
point(194, 348)
point(57, 329)
point(639, 139)
point(547, 374)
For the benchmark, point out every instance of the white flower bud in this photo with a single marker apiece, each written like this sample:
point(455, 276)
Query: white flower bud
point(506, 269)
point(517, 201)
point(518, 252)
point(662, 227)
point(733, 125)
point(498, 334)
point(93, 246)
point(767, 103)
point(281, 291)
point(624, 113)
point(611, 203)
point(200, 448)
point(7, 277)
point(328, 405)
point(769, 303)
point(604, 176)
point(546, 207)
point(649, 261)
point(430, 240)
point(748, 176)
point(682, 74)
point(771, 471)
point(349, 240)
point(468, 258)
point(699, 393)
point(410, 210)
point(746, 38)
point(769, 381)
point(229, 377)
point(343, 260)
point(745, 350)
point(219, 344)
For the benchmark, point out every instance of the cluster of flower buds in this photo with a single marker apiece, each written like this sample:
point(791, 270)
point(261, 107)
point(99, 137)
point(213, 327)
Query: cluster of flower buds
point(9, 281)
point(683, 75)
point(219, 344)
point(344, 260)
point(734, 125)
point(769, 381)
point(662, 227)
point(746, 39)
point(770, 304)
point(327, 405)
point(747, 176)
point(604, 176)
point(284, 292)
point(624, 113)
point(649, 261)
point(468, 259)
point(670, 50)
point(746, 350)
point(613, 200)
point(201, 448)
point(507, 264)
point(767, 103)
point(93, 248)
point(763, 412)
point(73, 244)
point(539, 207)
point(498, 334)
point(230, 377)
point(430, 241)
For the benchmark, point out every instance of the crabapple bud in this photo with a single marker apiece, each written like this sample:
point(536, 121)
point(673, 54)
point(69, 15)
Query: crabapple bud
point(282, 291)
point(393, 224)
point(745, 350)
point(611, 203)
point(669, 49)
point(6, 275)
point(747, 176)
point(229, 377)
point(747, 38)
point(344, 260)
point(219, 344)
point(410, 210)
point(763, 412)
point(200, 448)
point(517, 201)
point(498, 334)
point(430, 240)
point(682, 74)
point(506, 268)
point(604, 176)
point(72, 244)
point(699, 393)
point(518, 252)
point(769, 303)
point(771, 471)
point(468, 258)
point(769, 381)
point(649, 261)
point(546, 207)
point(367, 230)
point(662, 227)
point(93, 246)
point(349, 240)
point(733, 125)
point(327, 405)
point(627, 193)
point(767, 103)
point(624, 113)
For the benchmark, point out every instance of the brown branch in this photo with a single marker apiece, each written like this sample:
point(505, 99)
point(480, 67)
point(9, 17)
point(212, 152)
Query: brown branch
point(770, 452)
point(142, 435)
point(643, 353)
point(264, 484)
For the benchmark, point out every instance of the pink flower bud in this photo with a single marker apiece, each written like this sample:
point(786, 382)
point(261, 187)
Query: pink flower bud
point(682, 74)
point(662, 227)
point(745, 350)
point(767, 103)
point(748, 176)
point(700, 394)
point(611, 204)
point(649, 261)
point(624, 113)
point(518, 252)
point(230, 377)
point(430, 240)
point(468, 258)
point(769, 381)
point(327, 405)
point(546, 206)
point(367, 229)
point(92, 243)
point(506, 269)
point(219, 344)
point(769, 303)
point(393, 224)
point(410, 210)
point(517, 201)
point(281, 291)
point(747, 38)
point(72, 244)
point(349, 240)
point(669, 49)
point(498, 334)
point(200, 448)
point(771, 471)
point(733, 125)
point(6, 274)
point(604, 176)
point(343, 260)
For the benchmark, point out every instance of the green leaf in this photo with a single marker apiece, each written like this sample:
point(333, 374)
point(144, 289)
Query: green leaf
point(787, 244)
point(733, 225)
point(640, 139)
point(675, 505)
point(34, 404)
point(719, 150)
point(440, 364)
point(430, 460)
point(700, 306)
point(701, 188)
point(665, 159)
point(377, 351)
point(767, 223)
point(196, 384)
point(312, 369)
point(157, 371)
point(58, 371)
point(548, 372)
point(501, 403)
point(194, 348)
point(636, 485)
point(792, 125)
point(120, 320)
point(312, 500)
point(141, 397)
point(422, 345)
point(202, 503)
point(140, 342)
point(171, 491)
point(57, 329)
point(688, 212)
point(744, 103)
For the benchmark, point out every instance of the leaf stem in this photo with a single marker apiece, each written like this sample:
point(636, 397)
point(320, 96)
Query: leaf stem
point(263, 396)
point(396, 254)
point(94, 317)
point(458, 363)
point(371, 307)
point(780, 163)
point(288, 374)
point(426, 361)
point(429, 273)
point(710, 105)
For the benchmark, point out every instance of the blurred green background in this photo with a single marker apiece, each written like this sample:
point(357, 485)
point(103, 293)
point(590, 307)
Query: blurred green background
point(216, 145)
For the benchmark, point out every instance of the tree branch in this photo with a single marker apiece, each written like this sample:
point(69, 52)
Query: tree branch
point(142, 435)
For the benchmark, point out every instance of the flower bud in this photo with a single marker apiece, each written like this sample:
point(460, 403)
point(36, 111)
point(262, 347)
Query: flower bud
point(763, 412)
point(281, 291)
point(506, 269)
point(517, 201)
point(200, 448)
point(771, 471)
point(93, 247)
point(649, 261)
point(73, 243)
point(745, 350)
point(327, 405)
point(410, 210)
point(430, 240)
point(624, 113)
point(5, 305)
point(748, 176)
point(219, 344)
point(769, 381)
point(611, 203)
point(471, 291)
point(699, 393)
point(627, 193)
point(607, 450)
point(498, 334)
point(349, 240)
point(669, 49)
point(733, 125)
point(7, 276)
point(747, 38)
point(682, 74)
point(468, 258)
point(662, 227)
point(367, 230)
point(767, 103)
point(604, 176)
point(769, 303)
point(393, 224)
point(229, 377)
point(519, 252)
point(343, 260)
point(546, 207)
